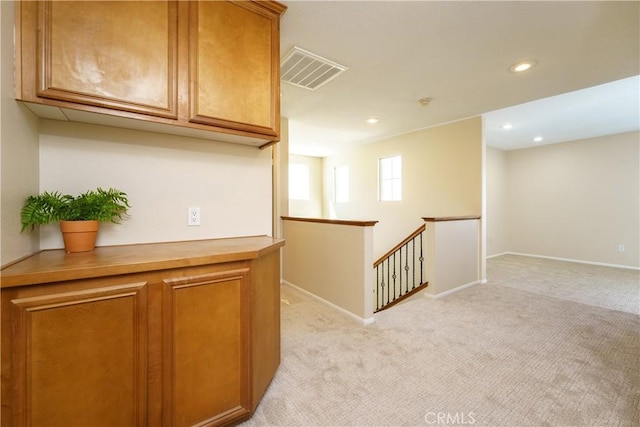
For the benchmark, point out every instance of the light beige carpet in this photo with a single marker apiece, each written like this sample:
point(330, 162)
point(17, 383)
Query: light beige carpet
point(614, 288)
point(491, 355)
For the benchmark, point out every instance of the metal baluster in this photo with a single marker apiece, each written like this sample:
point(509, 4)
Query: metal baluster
point(388, 280)
point(394, 277)
point(400, 293)
point(377, 287)
point(421, 260)
point(383, 285)
point(413, 260)
point(406, 267)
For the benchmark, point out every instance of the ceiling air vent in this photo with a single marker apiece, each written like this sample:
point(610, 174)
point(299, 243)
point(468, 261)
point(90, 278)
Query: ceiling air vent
point(308, 70)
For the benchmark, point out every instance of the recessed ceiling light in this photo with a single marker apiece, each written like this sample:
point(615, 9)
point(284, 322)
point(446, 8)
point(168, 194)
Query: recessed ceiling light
point(423, 102)
point(537, 139)
point(373, 120)
point(506, 126)
point(521, 66)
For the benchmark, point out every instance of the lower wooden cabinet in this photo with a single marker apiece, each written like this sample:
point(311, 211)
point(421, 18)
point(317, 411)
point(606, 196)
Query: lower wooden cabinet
point(79, 357)
point(206, 351)
point(185, 346)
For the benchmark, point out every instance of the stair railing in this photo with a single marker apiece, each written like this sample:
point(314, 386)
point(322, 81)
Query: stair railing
point(401, 271)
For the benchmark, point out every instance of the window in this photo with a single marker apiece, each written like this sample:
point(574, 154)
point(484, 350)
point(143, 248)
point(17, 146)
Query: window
point(390, 175)
point(341, 184)
point(298, 181)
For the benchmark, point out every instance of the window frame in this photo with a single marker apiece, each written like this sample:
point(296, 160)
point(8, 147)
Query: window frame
point(390, 178)
point(341, 185)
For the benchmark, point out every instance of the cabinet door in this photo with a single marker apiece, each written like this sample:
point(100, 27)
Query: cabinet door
point(119, 55)
point(234, 66)
point(79, 358)
point(205, 348)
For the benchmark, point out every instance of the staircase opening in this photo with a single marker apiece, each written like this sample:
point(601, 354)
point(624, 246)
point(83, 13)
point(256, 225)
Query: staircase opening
point(400, 272)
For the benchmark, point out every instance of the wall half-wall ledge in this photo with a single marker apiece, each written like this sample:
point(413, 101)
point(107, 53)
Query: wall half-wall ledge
point(332, 221)
point(450, 218)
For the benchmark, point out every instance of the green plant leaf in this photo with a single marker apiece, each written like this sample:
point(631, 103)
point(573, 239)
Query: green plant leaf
point(101, 205)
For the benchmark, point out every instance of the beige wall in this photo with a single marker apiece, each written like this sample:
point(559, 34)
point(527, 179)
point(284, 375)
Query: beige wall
point(163, 175)
point(496, 198)
point(452, 255)
point(341, 277)
point(442, 176)
point(18, 151)
point(311, 208)
point(577, 200)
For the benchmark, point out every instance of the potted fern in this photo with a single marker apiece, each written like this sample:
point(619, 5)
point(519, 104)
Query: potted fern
point(79, 216)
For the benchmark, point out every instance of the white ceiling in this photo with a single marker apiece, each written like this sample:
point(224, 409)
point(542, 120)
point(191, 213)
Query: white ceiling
point(459, 54)
point(599, 110)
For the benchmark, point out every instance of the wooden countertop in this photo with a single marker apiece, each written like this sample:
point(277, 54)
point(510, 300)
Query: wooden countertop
point(57, 265)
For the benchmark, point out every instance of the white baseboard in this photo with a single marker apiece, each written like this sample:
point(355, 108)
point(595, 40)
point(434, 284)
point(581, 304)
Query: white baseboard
point(497, 255)
point(362, 321)
point(454, 290)
point(603, 264)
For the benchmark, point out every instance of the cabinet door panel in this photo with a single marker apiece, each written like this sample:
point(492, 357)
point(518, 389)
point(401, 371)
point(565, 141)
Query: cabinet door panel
point(118, 56)
point(206, 350)
point(80, 357)
point(234, 66)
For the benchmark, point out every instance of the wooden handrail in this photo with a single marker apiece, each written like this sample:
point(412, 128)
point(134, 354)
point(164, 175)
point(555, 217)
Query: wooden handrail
point(401, 244)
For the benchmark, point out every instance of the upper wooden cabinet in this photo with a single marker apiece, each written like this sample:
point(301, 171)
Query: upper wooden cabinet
point(233, 76)
point(86, 53)
point(209, 67)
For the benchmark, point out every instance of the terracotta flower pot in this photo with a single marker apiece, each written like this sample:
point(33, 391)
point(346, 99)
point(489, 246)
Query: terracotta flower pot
point(79, 236)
